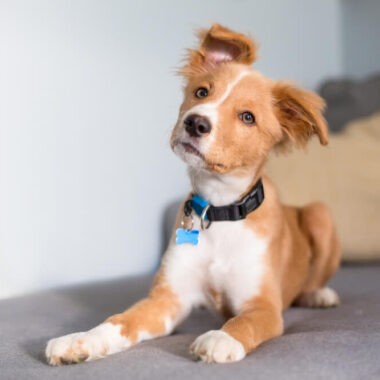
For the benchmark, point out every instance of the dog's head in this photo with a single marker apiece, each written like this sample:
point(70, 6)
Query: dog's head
point(232, 116)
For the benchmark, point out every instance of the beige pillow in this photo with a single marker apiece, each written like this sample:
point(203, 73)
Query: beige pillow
point(346, 176)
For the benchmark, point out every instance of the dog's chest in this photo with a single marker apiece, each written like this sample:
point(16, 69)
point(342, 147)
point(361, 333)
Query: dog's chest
point(225, 269)
point(233, 264)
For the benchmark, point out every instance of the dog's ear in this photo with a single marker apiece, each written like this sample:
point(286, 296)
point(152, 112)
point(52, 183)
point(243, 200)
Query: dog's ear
point(219, 45)
point(299, 113)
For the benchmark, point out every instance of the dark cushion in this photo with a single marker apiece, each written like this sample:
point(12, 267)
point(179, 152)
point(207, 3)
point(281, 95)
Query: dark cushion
point(349, 99)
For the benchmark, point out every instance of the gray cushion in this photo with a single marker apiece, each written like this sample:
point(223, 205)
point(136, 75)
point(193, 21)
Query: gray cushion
point(341, 343)
point(349, 99)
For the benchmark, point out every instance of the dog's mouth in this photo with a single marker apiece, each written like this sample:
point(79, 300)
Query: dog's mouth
point(189, 148)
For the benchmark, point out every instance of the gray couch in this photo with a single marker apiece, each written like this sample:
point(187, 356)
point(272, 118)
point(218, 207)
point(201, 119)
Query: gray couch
point(349, 99)
point(341, 343)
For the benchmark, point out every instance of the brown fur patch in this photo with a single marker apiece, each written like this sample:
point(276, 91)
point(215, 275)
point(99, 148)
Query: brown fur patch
point(303, 254)
point(259, 320)
point(220, 303)
point(236, 146)
point(300, 115)
point(149, 315)
point(218, 45)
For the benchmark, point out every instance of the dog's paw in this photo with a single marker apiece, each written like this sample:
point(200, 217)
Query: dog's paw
point(85, 346)
point(67, 349)
point(216, 346)
point(320, 298)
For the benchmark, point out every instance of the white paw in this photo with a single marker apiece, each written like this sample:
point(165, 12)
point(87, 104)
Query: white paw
point(103, 340)
point(325, 297)
point(216, 346)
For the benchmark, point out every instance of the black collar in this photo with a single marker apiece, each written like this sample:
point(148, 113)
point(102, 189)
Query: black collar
point(234, 211)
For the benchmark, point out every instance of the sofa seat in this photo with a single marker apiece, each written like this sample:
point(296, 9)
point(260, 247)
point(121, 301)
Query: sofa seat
point(340, 343)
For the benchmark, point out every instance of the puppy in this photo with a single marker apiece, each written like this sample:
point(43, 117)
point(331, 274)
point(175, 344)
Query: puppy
point(235, 247)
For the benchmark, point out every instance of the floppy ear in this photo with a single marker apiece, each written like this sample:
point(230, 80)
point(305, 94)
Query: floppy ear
point(300, 115)
point(219, 45)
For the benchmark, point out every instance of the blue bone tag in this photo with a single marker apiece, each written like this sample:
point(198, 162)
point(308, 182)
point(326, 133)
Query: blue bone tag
point(187, 236)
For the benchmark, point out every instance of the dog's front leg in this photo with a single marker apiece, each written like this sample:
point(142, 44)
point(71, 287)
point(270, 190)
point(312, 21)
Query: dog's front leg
point(155, 316)
point(258, 321)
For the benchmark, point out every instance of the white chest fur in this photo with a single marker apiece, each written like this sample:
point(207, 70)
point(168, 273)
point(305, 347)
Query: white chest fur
point(229, 259)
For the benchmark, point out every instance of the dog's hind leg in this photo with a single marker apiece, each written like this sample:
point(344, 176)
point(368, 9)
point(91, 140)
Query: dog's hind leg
point(317, 224)
point(155, 316)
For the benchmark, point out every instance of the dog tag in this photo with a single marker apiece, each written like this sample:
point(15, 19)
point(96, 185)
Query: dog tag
point(187, 236)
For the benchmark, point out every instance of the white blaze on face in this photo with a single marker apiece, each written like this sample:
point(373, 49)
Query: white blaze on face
point(210, 110)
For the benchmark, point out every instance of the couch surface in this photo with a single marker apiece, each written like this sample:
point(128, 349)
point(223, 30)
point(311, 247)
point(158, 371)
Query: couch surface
point(349, 99)
point(346, 176)
point(341, 343)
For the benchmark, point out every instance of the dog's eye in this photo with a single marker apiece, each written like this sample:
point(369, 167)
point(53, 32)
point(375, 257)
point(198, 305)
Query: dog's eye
point(201, 92)
point(247, 118)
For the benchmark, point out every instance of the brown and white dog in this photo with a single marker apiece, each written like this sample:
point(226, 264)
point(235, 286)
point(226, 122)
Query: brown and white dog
point(252, 269)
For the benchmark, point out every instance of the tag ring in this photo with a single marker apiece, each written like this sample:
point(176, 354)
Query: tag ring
point(183, 222)
point(203, 217)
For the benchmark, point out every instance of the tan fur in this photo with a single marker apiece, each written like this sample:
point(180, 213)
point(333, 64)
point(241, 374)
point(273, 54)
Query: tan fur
point(299, 113)
point(304, 254)
point(240, 48)
point(303, 251)
point(259, 320)
point(220, 303)
point(149, 314)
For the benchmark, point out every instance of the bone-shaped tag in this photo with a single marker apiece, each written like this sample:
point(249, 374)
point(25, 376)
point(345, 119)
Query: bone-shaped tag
point(187, 236)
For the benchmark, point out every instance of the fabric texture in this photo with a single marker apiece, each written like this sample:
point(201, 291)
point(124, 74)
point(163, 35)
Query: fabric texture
point(349, 99)
point(346, 176)
point(340, 343)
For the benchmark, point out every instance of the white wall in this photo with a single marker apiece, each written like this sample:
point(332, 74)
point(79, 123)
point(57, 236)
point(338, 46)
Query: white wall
point(87, 102)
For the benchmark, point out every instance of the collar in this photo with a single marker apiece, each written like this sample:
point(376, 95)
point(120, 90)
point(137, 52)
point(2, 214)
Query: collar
point(234, 211)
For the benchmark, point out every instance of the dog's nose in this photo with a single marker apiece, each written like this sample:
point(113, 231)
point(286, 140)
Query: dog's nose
point(197, 126)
